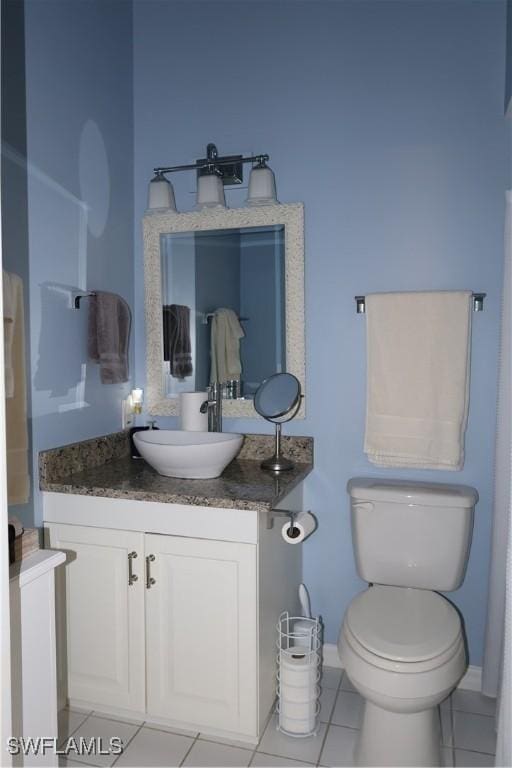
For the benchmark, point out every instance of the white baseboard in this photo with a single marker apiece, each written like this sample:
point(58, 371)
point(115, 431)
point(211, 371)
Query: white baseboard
point(472, 680)
point(330, 656)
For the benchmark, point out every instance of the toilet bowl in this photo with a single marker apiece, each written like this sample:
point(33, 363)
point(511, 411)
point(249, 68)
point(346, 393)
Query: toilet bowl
point(403, 650)
point(401, 643)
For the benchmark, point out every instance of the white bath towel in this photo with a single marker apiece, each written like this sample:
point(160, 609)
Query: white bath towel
point(225, 346)
point(18, 480)
point(9, 300)
point(418, 353)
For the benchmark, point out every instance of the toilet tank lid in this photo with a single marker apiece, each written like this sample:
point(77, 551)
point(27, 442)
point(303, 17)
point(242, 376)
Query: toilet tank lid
point(404, 492)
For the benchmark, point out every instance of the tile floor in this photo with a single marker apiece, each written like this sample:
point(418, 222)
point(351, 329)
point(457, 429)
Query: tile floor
point(467, 720)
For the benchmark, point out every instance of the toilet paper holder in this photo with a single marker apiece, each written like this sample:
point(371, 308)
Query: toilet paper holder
point(281, 513)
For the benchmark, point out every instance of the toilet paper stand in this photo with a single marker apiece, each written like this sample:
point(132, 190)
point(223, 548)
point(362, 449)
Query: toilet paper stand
point(281, 513)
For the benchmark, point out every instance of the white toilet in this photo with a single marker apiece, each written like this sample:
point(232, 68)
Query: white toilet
point(402, 644)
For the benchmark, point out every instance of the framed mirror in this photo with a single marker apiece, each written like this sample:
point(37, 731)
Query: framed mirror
point(224, 298)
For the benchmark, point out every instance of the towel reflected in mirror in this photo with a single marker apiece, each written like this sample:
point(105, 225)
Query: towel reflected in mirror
point(225, 346)
point(177, 346)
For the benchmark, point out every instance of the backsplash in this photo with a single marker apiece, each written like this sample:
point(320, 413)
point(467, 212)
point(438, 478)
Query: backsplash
point(258, 447)
point(57, 463)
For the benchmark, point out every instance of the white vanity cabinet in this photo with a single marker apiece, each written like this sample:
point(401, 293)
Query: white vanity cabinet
point(201, 632)
point(100, 617)
point(174, 628)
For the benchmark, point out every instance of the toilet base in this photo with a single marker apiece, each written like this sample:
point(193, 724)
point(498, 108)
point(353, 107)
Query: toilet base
point(398, 739)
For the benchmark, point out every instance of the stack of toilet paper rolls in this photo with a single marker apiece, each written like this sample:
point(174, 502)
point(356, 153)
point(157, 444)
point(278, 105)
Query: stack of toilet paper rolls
point(298, 675)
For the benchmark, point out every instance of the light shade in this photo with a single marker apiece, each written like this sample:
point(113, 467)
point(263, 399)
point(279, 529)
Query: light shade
point(137, 399)
point(210, 192)
point(262, 186)
point(161, 194)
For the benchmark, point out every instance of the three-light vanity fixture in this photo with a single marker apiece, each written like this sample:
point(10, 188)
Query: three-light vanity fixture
point(213, 173)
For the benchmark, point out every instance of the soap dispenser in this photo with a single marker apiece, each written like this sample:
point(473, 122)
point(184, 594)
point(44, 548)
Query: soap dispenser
point(134, 452)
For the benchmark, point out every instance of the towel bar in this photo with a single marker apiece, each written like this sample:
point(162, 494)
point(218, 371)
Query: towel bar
point(478, 303)
point(205, 319)
point(80, 296)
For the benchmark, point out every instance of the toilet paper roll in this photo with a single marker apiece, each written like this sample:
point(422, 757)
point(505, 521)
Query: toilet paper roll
point(303, 526)
point(299, 710)
point(299, 693)
point(301, 672)
point(191, 418)
point(300, 677)
point(299, 727)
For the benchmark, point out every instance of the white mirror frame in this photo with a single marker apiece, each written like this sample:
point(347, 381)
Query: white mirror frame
point(156, 224)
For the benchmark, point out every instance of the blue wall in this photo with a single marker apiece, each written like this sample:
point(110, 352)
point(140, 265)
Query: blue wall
point(80, 204)
point(386, 119)
point(508, 76)
point(15, 257)
point(508, 89)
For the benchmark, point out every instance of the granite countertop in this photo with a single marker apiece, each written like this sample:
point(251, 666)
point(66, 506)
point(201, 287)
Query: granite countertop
point(242, 485)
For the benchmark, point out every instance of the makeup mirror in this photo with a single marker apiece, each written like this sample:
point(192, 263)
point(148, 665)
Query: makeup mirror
point(278, 400)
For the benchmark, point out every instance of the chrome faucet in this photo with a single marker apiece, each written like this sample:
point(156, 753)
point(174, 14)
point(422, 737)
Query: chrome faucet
point(214, 407)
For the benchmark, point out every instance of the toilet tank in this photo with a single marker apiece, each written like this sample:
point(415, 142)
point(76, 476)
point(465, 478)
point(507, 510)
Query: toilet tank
point(411, 534)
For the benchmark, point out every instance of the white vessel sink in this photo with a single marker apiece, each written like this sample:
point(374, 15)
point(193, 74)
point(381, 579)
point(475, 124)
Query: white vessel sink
point(198, 455)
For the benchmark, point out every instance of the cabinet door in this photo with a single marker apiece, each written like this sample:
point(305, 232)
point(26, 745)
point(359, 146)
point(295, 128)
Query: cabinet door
point(201, 633)
point(104, 615)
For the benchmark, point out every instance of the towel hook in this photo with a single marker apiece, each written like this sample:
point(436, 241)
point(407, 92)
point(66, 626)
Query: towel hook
point(80, 296)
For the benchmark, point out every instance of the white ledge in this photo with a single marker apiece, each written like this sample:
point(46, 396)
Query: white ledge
point(35, 565)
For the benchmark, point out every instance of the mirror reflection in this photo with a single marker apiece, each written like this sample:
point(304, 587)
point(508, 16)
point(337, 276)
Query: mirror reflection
point(223, 313)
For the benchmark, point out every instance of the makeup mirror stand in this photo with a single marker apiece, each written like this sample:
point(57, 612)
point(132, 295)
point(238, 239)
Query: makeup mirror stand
point(278, 400)
point(277, 462)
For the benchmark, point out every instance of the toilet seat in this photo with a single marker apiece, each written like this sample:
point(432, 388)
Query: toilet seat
point(396, 684)
point(407, 667)
point(397, 628)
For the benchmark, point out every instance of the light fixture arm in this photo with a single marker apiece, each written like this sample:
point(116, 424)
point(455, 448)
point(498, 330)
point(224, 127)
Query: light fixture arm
point(211, 159)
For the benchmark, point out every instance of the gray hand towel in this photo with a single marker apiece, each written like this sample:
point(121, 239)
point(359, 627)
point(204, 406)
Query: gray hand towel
point(177, 346)
point(109, 335)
